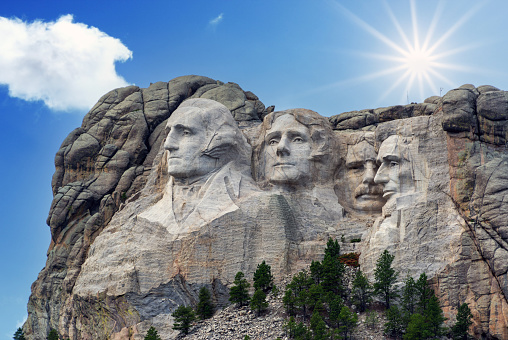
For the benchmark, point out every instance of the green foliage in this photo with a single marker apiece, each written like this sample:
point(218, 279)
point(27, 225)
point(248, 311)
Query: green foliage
point(152, 334)
point(246, 337)
point(362, 291)
point(394, 326)
point(316, 271)
point(434, 318)
point(258, 302)
point(464, 316)
point(335, 306)
point(385, 277)
point(416, 329)
point(333, 273)
point(348, 322)
point(18, 335)
point(289, 301)
point(332, 248)
point(184, 317)
point(424, 293)
point(409, 299)
point(318, 326)
point(355, 240)
point(299, 286)
point(315, 297)
point(239, 293)
point(205, 306)
point(371, 319)
point(52, 335)
point(275, 290)
point(263, 278)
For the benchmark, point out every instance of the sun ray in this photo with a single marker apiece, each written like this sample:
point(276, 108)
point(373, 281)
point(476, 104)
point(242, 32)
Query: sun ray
point(438, 75)
point(394, 85)
point(433, 24)
point(397, 25)
point(416, 40)
point(371, 29)
point(457, 25)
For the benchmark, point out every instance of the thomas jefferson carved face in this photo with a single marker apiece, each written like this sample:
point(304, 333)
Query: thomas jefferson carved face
point(187, 136)
point(361, 169)
point(288, 151)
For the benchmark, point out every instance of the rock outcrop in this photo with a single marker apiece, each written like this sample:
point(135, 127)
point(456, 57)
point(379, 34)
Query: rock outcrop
point(135, 232)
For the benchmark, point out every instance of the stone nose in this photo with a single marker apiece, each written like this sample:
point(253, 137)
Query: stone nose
point(370, 172)
point(170, 143)
point(283, 147)
point(381, 175)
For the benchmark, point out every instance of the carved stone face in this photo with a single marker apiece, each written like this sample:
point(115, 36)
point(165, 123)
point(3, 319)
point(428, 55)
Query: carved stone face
point(288, 151)
point(186, 139)
point(392, 167)
point(361, 169)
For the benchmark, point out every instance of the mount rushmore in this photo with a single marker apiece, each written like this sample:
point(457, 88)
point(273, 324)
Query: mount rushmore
point(180, 185)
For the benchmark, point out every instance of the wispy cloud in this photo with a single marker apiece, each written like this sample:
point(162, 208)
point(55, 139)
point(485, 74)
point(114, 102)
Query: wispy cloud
point(65, 64)
point(215, 21)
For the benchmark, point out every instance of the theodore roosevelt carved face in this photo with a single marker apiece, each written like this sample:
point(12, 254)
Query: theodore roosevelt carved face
point(202, 137)
point(355, 186)
point(293, 149)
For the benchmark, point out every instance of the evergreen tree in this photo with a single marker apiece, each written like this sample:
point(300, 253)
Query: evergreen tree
point(290, 327)
point(394, 327)
point(318, 326)
point(53, 334)
point(315, 296)
point(335, 307)
point(348, 322)
point(205, 306)
point(300, 287)
point(461, 327)
point(263, 278)
point(333, 273)
point(152, 334)
point(258, 302)
point(316, 271)
point(239, 293)
point(434, 318)
point(385, 277)
point(409, 299)
point(289, 301)
point(332, 248)
point(424, 293)
point(18, 335)
point(184, 317)
point(416, 329)
point(362, 291)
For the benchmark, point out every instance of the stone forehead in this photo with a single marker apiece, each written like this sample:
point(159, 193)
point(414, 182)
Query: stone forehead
point(362, 151)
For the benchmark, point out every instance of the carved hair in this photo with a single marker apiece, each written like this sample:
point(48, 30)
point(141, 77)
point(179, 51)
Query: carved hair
point(324, 154)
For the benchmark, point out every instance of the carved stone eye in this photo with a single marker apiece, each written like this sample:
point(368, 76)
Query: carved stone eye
point(298, 140)
point(393, 164)
point(273, 142)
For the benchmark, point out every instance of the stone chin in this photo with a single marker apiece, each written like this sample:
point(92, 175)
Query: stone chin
point(287, 174)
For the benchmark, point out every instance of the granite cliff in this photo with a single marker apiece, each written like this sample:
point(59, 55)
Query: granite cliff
point(137, 232)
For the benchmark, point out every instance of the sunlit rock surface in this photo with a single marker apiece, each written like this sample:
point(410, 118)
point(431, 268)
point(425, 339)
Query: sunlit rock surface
point(134, 235)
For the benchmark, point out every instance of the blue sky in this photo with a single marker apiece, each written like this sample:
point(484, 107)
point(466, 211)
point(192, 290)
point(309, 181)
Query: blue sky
point(58, 57)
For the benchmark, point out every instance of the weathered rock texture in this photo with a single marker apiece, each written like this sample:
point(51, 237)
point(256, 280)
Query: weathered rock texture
point(112, 272)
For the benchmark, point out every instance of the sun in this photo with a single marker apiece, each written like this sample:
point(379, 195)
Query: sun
point(418, 63)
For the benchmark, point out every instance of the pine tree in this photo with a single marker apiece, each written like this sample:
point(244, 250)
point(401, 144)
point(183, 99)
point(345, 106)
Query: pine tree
point(394, 327)
point(362, 291)
point(258, 302)
point(335, 306)
point(239, 293)
point(316, 271)
point(434, 318)
point(152, 334)
point(289, 301)
point(461, 327)
point(263, 278)
point(300, 287)
point(416, 329)
point(318, 326)
point(385, 277)
point(348, 322)
point(332, 248)
point(424, 293)
point(53, 334)
point(18, 335)
point(332, 269)
point(184, 317)
point(409, 299)
point(205, 306)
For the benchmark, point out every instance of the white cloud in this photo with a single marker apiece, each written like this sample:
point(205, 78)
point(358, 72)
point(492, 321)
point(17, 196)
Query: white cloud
point(215, 21)
point(67, 65)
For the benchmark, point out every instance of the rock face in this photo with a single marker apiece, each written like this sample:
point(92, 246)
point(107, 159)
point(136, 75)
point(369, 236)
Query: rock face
point(154, 199)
